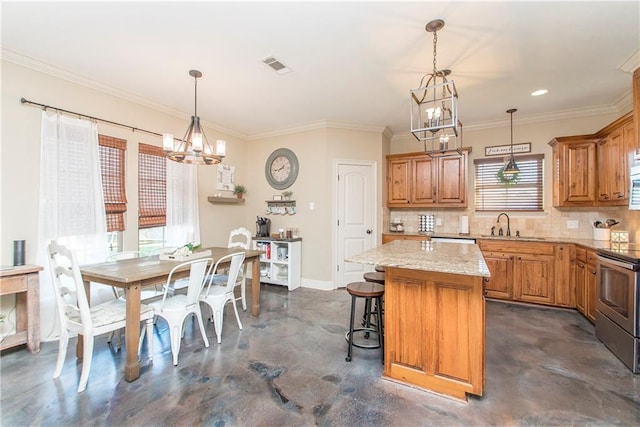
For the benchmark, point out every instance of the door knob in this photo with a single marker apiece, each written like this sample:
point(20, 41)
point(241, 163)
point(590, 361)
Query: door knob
point(369, 231)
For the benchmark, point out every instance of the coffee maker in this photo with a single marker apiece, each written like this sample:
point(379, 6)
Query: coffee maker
point(263, 227)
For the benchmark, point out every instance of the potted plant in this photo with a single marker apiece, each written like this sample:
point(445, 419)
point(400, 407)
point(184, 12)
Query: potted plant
point(239, 190)
point(287, 194)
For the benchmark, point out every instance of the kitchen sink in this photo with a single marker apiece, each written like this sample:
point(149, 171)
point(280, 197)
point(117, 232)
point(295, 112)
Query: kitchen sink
point(489, 236)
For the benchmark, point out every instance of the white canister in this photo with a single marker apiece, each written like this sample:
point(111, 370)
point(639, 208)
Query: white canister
point(603, 234)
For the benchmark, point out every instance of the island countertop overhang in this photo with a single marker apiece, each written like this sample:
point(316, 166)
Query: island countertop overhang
point(441, 257)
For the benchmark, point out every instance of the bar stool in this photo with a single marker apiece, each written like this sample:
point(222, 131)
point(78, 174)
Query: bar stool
point(375, 277)
point(368, 291)
point(379, 268)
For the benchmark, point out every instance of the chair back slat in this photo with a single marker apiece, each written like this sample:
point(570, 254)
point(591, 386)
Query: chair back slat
point(71, 297)
point(239, 238)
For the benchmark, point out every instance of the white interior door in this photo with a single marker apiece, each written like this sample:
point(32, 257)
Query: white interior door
point(356, 218)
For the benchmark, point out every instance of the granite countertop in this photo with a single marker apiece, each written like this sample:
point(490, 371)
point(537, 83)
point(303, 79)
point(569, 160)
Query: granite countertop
point(588, 243)
point(439, 257)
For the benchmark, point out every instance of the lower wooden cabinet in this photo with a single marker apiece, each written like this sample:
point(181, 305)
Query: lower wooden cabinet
point(585, 271)
point(520, 271)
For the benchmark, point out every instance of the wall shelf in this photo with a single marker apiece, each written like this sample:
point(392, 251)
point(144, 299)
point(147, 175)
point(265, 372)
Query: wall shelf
point(281, 207)
point(225, 200)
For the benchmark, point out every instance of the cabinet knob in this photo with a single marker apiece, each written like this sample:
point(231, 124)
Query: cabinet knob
point(593, 272)
point(519, 258)
point(485, 279)
point(369, 231)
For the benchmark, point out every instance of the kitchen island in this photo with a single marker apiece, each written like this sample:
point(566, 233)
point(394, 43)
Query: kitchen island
point(434, 318)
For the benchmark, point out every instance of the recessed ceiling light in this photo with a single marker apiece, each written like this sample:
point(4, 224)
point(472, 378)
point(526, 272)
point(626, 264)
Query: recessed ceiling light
point(539, 92)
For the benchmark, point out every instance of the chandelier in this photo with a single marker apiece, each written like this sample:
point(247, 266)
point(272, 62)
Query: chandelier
point(511, 167)
point(434, 105)
point(194, 146)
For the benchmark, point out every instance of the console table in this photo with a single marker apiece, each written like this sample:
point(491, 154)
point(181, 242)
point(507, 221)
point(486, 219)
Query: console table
point(23, 282)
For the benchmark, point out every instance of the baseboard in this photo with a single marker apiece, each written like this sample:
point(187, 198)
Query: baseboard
point(321, 285)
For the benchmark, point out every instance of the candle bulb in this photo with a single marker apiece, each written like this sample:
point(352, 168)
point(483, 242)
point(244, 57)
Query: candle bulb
point(196, 142)
point(221, 147)
point(167, 142)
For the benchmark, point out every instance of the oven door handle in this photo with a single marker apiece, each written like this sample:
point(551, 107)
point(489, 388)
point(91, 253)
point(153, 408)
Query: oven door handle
point(625, 265)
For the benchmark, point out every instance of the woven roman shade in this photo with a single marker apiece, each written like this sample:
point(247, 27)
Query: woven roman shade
point(152, 186)
point(112, 161)
point(493, 193)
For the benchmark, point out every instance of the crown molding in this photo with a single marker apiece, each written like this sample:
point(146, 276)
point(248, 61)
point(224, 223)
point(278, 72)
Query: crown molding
point(57, 72)
point(632, 63)
point(320, 124)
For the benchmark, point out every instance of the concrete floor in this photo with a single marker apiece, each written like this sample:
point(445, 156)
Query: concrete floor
point(543, 367)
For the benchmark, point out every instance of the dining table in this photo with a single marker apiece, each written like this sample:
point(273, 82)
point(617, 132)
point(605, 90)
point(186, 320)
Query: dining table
point(136, 273)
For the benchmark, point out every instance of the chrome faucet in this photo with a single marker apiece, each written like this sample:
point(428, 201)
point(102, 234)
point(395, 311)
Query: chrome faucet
point(508, 223)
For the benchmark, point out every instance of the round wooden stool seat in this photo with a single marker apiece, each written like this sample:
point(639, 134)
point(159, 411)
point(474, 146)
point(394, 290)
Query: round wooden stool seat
point(374, 276)
point(365, 289)
point(379, 268)
point(369, 291)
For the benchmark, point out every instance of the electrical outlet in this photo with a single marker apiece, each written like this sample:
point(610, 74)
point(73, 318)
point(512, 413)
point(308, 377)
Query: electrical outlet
point(573, 224)
point(438, 221)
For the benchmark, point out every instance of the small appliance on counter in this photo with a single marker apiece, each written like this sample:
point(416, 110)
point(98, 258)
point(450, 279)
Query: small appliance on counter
point(263, 227)
point(396, 225)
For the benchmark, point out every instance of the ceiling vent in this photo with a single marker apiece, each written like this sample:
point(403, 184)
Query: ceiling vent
point(276, 65)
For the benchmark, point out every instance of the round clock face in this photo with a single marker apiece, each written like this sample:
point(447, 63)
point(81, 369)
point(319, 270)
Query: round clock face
point(281, 168)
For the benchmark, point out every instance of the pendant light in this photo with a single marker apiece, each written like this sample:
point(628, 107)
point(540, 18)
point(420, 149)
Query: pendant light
point(434, 105)
point(194, 146)
point(511, 168)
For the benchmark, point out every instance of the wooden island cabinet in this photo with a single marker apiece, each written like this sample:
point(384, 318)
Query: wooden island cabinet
point(434, 315)
point(417, 180)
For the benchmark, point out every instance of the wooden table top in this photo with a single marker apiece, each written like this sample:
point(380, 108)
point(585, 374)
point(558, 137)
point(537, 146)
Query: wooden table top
point(147, 268)
point(19, 269)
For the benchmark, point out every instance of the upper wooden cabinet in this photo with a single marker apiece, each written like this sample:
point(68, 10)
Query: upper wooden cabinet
point(613, 161)
point(593, 170)
point(417, 180)
point(574, 176)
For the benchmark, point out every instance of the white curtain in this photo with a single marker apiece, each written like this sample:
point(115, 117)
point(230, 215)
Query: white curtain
point(71, 208)
point(183, 223)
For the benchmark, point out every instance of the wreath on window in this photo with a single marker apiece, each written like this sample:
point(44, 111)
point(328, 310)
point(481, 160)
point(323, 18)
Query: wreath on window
point(507, 179)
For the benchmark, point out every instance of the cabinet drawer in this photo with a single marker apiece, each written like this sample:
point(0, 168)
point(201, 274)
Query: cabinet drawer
point(581, 254)
point(592, 257)
point(13, 284)
point(517, 247)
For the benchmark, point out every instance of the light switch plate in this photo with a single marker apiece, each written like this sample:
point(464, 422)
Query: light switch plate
point(438, 221)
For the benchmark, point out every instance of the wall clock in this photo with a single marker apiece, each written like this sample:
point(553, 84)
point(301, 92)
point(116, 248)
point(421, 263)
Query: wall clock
point(281, 168)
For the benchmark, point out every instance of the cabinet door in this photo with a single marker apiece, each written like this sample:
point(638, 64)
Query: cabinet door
point(398, 182)
point(423, 180)
point(581, 290)
point(500, 284)
point(591, 292)
point(533, 278)
point(451, 180)
point(611, 186)
point(579, 173)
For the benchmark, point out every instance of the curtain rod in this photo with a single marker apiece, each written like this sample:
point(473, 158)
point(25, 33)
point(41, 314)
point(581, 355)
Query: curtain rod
point(80, 115)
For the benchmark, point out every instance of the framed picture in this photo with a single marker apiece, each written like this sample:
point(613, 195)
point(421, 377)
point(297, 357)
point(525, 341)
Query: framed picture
point(277, 197)
point(503, 150)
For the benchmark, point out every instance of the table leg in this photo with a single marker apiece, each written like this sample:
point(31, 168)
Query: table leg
point(255, 287)
point(33, 313)
point(80, 343)
point(132, 332)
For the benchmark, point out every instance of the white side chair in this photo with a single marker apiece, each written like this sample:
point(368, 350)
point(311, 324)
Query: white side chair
point(217, 296)
point(175, 309)
point(241, 238)
point(77, 317)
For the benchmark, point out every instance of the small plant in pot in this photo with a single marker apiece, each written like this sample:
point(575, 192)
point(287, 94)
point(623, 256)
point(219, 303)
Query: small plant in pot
point(239, 190)
point(287, 195)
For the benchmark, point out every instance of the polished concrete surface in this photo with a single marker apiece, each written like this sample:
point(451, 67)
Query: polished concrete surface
point(287, 368)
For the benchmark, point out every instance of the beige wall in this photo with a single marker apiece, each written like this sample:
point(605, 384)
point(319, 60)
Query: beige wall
point(553, 222)
point(316, 149)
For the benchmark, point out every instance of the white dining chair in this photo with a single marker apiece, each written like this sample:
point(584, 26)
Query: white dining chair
point(76, 316)
point(174, 309)
point(217, 296)
point(241, 238)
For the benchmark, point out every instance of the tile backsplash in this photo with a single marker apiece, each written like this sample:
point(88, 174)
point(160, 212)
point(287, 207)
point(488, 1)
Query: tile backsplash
point(553, 223)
